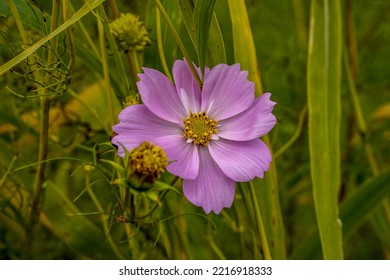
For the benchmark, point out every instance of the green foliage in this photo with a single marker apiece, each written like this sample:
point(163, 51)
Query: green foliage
point(324, 96)
point(330, 143)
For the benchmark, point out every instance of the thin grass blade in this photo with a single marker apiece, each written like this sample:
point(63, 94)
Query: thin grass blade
point(84, 10)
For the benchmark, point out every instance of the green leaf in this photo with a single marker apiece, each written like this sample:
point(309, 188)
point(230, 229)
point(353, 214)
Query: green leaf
point(244, 46)
point(363, 200)
point(203, 13)
point(187, 11)
point(323, 90)
point(215, 47)
point(118, 167)
point(161, 186)
point(267, 189)
point(353, 212)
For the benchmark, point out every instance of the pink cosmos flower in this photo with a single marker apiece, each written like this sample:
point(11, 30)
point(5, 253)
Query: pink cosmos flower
point(211, 136)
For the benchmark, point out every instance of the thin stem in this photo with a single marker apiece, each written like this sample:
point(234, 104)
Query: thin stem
point(106, 73)
point(44, 132)
point(298, 132)
point(239, 229)
point(163, 194)
point(212, 244)
point(178, 41)
point(114, 8)
point(259, 222)
point(132, 59)
point(103, 219)
point(24, 37)
point(86, 35)
point(351, 38)
point(154, 208)
point(89, 108)
point(66, 15)
point(362, 126)
point(160, 45)
point(8, 171)
point(116, 55)
point(300, 22)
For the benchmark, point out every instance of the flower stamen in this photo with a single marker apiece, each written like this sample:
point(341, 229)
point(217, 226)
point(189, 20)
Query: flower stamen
point(199, 128)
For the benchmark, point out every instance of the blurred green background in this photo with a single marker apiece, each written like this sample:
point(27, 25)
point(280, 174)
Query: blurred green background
point(80, 214)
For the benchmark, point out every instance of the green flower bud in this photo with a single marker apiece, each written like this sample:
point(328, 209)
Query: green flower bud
point(129, 33)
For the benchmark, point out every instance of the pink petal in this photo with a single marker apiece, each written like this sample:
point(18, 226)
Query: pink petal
point(184, 80)
point(212, 189)
point(183, 156)
point(137, 124)
point(160, 96)
point(226, 92)
point(241, 161)
point(255, 122)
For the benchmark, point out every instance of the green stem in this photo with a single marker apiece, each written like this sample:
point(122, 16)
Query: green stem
point(103, 219)
point(134, 67)
point(24, 37)
point(44, 133)
point(72, 50)
point(90, 44)
point(42, 156)
point(106, 73)
point(362, 126)
point(8, 171)
point(178, 41)
point(298, 132)
point(114, 8)
point(240, 232)
point(300, 23)
point(351, 69)
point(90, 109)
point(259, 223)
point(155, 207)
point(160, 45)
point(217, 251)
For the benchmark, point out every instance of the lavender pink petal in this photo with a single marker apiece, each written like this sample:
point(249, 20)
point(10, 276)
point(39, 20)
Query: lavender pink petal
point(160, 96)
point(184, 80)
point(226, 92)
point(255, 122)
point(138, 124)
point(212, 189)
point(241, 161)
point(183, 157)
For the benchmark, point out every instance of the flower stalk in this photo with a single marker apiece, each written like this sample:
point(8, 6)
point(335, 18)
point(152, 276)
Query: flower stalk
point(43, 139)
point(106, 74)
point(259, 223)
point(362, 127)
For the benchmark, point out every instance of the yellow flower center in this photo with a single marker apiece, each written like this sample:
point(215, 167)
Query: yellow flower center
point(199, 128)
point(148, 160)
